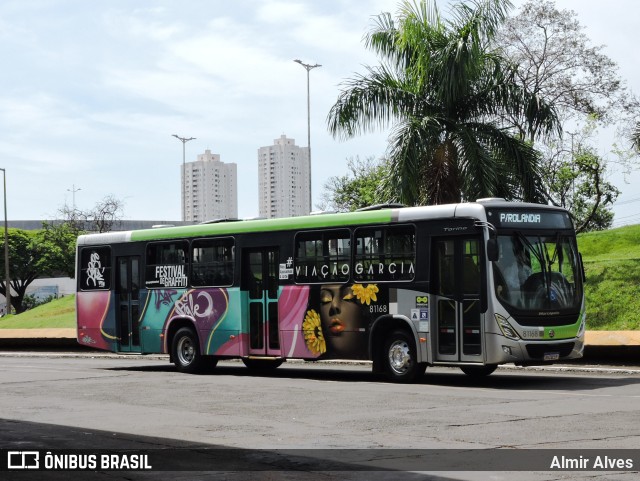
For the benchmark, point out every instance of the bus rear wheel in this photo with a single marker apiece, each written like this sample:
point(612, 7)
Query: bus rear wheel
point(185, 351)
point(400, 361)
point(479, 371)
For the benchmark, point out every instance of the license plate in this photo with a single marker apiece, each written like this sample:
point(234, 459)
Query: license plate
point(532, 333)
point(551, 356)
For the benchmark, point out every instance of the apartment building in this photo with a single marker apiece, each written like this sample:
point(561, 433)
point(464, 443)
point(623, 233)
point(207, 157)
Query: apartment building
point(284, 179)
point(209, 189)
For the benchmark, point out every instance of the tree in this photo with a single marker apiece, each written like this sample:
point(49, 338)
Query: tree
point(33, 254)
point(101, 218)
point(51, 251)
point(557, 63)
point(60, 253)
point(27, 262)
point(444, 88)
point(578, 183)
point(106, 213)
point(359, 188)
point(60, 236)
point(591, 200)
point(576, 178)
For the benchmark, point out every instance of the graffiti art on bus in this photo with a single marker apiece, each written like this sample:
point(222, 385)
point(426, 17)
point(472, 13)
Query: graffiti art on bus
point(339, 317)
point(98, 321)
point(164, 297)
point(206, 307)
point(95, 272)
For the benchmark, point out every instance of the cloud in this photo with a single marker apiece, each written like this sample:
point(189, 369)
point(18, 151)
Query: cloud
point(92, 92)
point(40, 115)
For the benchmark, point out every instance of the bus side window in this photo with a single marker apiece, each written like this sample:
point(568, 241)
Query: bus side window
point(273, 281)
point(471, 266)
point(167, 264)
point(385, 254)
point(213, 262)
point(445, 274)
point(95, 268)
point(322, 256)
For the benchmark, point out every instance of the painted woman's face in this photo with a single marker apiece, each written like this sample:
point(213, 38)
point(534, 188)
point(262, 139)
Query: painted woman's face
point(339, 313)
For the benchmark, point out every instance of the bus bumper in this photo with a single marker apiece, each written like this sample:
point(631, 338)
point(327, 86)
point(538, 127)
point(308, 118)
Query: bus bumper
point(502, 350)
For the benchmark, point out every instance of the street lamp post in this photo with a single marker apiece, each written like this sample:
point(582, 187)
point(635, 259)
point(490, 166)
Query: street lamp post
point(6, 247)
point(308, 68)
point(73, 190)
point(184, 140)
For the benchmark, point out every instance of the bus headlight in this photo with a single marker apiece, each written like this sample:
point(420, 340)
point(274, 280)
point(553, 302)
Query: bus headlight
point(506, 328)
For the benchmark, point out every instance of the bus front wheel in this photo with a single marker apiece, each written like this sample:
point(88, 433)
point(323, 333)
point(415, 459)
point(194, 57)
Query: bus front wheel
point(185, 351)
point(400, 361)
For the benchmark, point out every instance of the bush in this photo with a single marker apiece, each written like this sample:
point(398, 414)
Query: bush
point(29, 301)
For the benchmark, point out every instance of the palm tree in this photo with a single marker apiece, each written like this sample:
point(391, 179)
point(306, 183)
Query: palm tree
point(443, 89)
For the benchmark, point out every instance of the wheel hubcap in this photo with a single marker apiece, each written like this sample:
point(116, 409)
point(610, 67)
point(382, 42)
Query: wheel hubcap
point(399, 357)
point(186, 351)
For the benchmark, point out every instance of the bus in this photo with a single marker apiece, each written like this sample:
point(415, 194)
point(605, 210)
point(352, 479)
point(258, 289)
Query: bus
point(472, 285)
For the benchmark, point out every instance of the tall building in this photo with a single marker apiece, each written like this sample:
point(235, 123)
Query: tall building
point(284, 178)
point(209, 188)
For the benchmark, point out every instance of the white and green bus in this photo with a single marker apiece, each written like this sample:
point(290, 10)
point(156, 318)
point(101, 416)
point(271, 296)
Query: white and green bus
point(472, 285)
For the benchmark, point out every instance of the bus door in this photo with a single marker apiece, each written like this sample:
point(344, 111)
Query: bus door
point(128, 302)
point(457, 281)
point(261, 271)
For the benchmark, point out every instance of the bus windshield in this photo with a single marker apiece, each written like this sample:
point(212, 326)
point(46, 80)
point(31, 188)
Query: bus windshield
point(538, 272)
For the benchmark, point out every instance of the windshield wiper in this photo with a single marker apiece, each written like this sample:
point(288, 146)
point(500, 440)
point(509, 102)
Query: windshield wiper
point(555, 252)
point(538, 255)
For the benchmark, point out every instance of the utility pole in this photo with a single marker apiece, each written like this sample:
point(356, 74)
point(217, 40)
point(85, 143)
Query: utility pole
point(308, 68)
point(7, 281)
point(73, 190)
point(184, 140)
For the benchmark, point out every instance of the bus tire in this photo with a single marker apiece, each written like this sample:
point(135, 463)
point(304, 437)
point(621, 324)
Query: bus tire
point(262, 364)
point(479, 371)
point(399, 358)
point(185, 351)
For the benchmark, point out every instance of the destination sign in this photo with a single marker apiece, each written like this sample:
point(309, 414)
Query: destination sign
point(520, 218)
point(529, 219)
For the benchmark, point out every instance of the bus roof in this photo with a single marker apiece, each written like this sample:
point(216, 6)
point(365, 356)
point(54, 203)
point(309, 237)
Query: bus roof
point(474, 210)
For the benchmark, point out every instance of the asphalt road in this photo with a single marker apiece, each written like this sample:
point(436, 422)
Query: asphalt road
point(53, 402)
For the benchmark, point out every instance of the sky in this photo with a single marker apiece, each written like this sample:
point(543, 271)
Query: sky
point(92, 92)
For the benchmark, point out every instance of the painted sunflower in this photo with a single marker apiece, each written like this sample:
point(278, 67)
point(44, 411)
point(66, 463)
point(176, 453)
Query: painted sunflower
point(365, 294)
point(313, 336)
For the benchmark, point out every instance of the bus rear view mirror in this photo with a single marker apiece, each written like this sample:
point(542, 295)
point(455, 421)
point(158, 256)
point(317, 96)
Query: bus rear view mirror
point(492, 249)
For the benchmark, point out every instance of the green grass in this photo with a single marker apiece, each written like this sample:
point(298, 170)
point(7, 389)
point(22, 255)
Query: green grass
point(612, 296)
point(622, 244)
point(612, 265)
point(60, 313)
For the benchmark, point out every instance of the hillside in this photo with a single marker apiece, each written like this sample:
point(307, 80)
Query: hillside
point(54, 314)
point(612, 264)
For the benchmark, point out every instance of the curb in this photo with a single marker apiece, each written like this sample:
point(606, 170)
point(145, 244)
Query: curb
point(612, 338)
point(51, 333)
point(39, 339)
